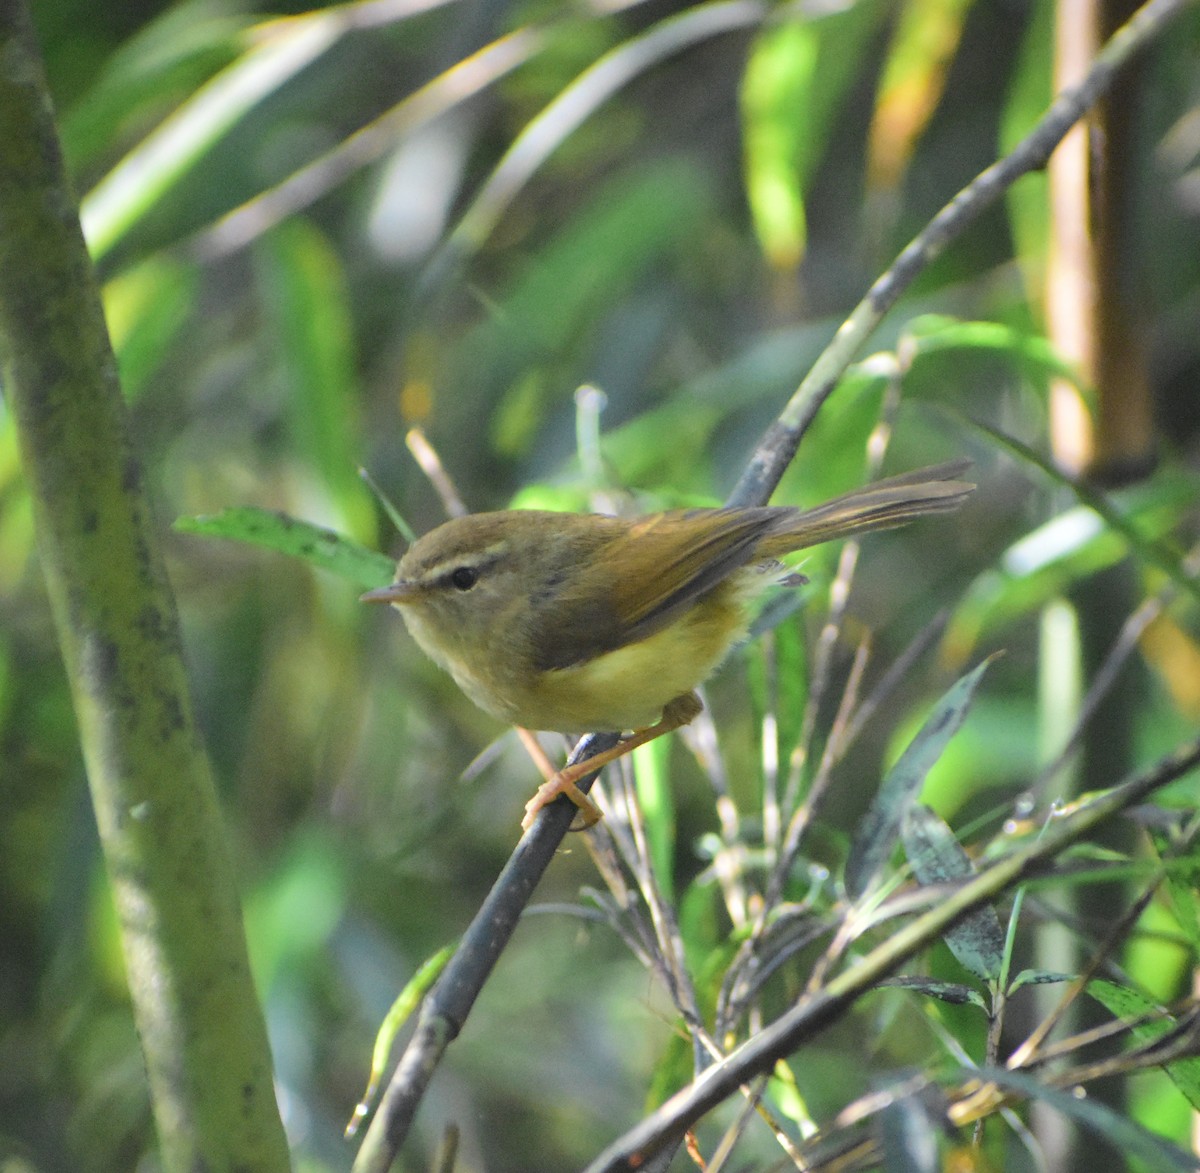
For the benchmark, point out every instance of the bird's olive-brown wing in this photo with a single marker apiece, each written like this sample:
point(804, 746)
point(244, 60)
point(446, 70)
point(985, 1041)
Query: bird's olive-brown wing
point(646, 575)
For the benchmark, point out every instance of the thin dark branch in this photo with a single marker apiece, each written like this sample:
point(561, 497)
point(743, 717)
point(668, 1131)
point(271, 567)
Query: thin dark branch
point(447, 1005)
point(813, 1013)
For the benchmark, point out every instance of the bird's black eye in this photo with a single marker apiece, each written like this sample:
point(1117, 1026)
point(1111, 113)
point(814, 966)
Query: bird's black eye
point(464, 578)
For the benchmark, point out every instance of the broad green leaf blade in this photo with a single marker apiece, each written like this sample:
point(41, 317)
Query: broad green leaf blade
point(796, 79)
point(977, 941)
point(319, 547)
point(880, 828)
point(777, 83)
point(305, 288)
point(1125, 1002)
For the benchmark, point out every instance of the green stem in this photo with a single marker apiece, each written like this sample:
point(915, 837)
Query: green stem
point(201, 1027)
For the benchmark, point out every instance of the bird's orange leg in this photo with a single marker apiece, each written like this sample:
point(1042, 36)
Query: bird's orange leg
point(677, 713)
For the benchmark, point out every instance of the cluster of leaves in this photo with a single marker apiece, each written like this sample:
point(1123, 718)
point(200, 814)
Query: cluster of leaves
point(320, 229)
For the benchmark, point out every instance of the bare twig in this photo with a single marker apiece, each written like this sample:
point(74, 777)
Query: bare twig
point(431, 465)
point(816, 1011)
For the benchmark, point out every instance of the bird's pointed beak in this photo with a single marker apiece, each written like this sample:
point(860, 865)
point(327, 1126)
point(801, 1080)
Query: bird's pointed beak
point(394, 592)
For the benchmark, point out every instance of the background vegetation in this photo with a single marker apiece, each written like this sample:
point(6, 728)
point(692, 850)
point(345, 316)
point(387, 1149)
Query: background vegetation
point(318, 229)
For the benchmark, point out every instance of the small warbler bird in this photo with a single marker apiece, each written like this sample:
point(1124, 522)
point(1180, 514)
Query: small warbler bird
point(586, 623)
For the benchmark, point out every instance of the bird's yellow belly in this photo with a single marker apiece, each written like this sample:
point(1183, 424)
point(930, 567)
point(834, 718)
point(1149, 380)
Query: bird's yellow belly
point(628, 688)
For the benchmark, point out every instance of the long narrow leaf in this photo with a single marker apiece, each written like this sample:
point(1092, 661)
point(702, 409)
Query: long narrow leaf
point(1148, 550)
point(301, 539)
point(880, 827)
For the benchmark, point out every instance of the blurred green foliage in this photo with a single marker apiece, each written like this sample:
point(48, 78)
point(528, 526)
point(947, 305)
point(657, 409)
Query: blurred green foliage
point(711, 191)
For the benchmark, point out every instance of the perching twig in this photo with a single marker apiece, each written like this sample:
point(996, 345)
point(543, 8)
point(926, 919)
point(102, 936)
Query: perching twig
point(447, 1005)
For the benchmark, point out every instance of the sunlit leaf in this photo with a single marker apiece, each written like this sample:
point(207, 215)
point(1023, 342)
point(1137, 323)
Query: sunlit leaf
point(652, 778)
point(178, 144)
point(777, 83)
point(1077, 543)
point(795, 80)
point(161, 65)
point(919, 55)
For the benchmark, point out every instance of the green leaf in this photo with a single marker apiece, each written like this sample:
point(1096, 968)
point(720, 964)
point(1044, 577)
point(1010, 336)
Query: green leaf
point(402, 1010)
point(319, 547)
point(880, 827)
point(921, 50)
point(280, 50)
point(1038, 977)
point(977, 941)
point(157, 68)
point(1069, 547)
point(1128, 1003)
point(146, 307)
point(777, 83)
point(956, 993)
point(1149, 549)
point(1030, 92)
point(304, 284)
point(933, 334)
point(796, 79)
point(652, 778)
